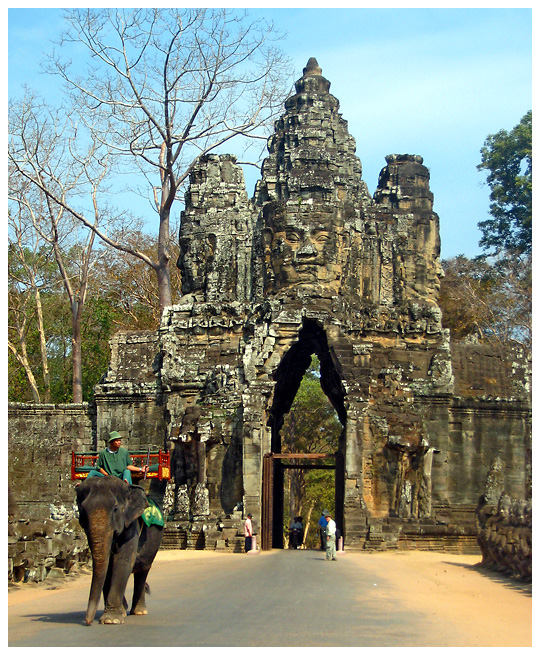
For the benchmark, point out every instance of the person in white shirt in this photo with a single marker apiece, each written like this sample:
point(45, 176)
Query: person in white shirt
point(330, 538)
point(248, 532)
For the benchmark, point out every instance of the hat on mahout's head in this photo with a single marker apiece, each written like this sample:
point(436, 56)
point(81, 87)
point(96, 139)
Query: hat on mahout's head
point(114, 435)
point(325, 513)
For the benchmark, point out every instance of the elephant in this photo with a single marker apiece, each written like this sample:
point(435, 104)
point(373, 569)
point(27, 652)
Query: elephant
point(120, 543)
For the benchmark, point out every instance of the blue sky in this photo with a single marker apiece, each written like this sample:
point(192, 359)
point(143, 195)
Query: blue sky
point(431, 82)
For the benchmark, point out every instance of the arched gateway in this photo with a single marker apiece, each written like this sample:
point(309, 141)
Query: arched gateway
point(312, 340)
point(314, 264)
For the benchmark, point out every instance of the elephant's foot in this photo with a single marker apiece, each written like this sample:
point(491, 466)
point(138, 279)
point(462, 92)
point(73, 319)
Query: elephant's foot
point(113, 617)
point(139, 610)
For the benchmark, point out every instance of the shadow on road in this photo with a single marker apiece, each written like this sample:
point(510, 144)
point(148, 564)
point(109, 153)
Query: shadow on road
point(518, 585)
point(63, 618)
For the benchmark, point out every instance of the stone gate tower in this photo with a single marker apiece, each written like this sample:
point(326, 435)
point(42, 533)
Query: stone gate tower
point(314, 264)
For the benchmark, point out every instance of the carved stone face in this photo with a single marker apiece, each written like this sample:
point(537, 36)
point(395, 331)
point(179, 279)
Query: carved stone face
point(194, 261)
point(301, 248)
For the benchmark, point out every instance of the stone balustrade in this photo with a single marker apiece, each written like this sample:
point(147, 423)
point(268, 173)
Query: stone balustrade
point(504, 533)
point(46, 550)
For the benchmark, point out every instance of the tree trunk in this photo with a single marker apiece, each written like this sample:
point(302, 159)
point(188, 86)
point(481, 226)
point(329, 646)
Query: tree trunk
point(43, 347)
point(168, 190)
point(164, 284)
point(297, 492)
point(77, 358)
point(306, 524)
point(22, 358)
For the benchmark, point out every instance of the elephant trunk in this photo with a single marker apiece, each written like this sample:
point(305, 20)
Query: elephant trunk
point(100, 540)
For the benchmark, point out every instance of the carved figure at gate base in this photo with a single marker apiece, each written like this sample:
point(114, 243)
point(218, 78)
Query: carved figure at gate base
point(504, 530)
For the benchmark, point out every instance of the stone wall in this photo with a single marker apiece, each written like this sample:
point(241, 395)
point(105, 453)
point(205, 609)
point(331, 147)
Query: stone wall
point(41, 439)
point(46, 550)
point(133, 385)
point(45, 540)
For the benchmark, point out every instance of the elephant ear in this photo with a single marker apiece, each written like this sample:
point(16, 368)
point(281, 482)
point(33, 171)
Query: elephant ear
point(136, 503)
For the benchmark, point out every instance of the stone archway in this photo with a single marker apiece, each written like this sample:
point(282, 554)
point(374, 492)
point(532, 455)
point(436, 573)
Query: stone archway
point(312, 340)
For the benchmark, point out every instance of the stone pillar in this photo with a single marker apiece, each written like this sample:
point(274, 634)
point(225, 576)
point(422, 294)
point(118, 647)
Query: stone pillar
point(255, 440)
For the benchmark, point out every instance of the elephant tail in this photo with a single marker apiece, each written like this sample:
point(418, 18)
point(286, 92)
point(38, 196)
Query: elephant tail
point(147, 588)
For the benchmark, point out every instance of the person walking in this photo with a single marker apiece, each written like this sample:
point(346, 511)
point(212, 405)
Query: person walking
point(322, 529)
point(330, 538)
point(248, 532)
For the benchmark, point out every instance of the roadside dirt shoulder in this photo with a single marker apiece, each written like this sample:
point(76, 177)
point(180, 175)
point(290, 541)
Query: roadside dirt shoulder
point(493, 610)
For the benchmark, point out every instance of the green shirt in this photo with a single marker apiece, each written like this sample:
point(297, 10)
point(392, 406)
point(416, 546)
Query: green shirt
point(114, 463)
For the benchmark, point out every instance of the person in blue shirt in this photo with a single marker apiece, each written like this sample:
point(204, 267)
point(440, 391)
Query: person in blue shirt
point(322, 529)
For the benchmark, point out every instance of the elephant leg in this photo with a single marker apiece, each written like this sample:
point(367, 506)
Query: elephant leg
point(107, 587)
point(115, 606)
point(107, 583)
point(138, 603)
point(149, 543)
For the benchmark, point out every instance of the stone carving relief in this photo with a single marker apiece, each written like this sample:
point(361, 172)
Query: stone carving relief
point(301, 247)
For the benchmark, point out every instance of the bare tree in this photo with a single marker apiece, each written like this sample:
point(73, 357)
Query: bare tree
point(489, 299)
point(165, 86)
point(51, 168)
point(27, 260)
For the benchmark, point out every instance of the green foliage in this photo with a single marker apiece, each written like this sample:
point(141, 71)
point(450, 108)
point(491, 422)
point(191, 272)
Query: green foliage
point(58, 319)
point(319, 496)
point(98, 327)
point(507, 156)
point(18, 389)
point(311, 426)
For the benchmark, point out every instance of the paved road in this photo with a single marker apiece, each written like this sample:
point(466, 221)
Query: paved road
point(277, 598)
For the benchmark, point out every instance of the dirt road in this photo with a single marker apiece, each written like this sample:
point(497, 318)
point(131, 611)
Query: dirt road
point(283, 598)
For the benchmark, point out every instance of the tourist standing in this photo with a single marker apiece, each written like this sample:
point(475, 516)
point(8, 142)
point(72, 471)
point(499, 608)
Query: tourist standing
point(248, 532)
point(330, 538)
